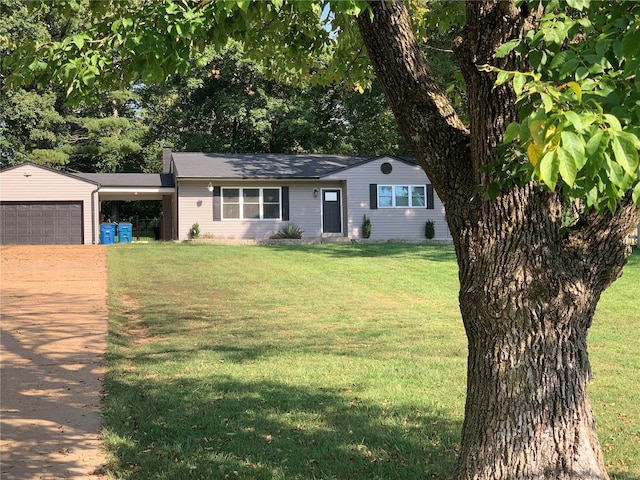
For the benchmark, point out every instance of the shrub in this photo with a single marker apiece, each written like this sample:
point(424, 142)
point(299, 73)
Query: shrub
point(290, 230)
point(194, 231)
point(366, 227)
point(429, 230)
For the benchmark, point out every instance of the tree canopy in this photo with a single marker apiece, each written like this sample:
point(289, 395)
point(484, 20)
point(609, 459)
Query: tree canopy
point(220, 101)
point(575, 74)
point(580, 102)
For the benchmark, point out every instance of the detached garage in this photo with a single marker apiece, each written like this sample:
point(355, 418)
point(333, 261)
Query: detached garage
point(39, 205)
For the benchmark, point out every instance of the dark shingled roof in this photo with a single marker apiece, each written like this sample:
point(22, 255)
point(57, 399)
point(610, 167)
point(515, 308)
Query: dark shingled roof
point(129, 179)
point(267, 165)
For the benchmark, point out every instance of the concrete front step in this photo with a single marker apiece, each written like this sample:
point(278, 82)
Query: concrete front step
point(335, 239)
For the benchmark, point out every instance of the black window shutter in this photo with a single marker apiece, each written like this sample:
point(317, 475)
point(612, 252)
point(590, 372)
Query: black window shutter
point(430, 204)
point(285, 203)
point(217, 205)
point(373, 196)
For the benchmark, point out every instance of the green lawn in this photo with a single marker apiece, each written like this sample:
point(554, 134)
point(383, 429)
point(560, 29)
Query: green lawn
point(315, 362)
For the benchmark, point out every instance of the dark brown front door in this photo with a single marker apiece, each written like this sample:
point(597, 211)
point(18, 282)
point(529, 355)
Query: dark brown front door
point(331, 211)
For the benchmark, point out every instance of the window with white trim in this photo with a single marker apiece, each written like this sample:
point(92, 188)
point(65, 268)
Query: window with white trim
point(401, 196)
point(251, 203)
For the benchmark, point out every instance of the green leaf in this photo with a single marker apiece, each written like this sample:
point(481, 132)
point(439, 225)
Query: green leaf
point(244, 5)
point(626, 154)
point(78, 40)
point(69, 72)
point(613, 122)
point(618, 51)
point(581, 73)
point(537, 58)
point(553, 34)
point(547, 101)
point(616, 173)
point(569, 67)
point(592, 197)
point(567, 167)
point(594, 143)
point(115, 26)
point(573, 145)
point(493, 190)
point(519, 80)
point(578, 4)
point(575, 120)
point(631, 42)
point(504, 49)
point(513, 130)
point(561, 58)
point(536, 129)
point(503, 77)
point(88, 77)
point(37, 66)
point(548, 170)
point(612, 201)
point(171, 9)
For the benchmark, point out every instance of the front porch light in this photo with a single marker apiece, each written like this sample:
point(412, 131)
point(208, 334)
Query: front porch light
point(210, 187)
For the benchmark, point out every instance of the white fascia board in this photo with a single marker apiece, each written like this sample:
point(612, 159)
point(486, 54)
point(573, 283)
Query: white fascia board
point(137, 189)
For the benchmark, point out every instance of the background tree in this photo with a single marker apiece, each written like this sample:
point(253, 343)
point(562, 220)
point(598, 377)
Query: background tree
point(533, 259)
point(32, 129)
point(228, 105)
point(223, 102)
point(31, 126)
point(35, 122)
point(108, 135)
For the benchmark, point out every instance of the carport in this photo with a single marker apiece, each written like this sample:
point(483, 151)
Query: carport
point(139, 186)
point(40, 205)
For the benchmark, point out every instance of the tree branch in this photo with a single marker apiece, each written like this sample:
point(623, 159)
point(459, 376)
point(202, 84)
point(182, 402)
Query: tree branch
point(426, 118)
point(604, 235)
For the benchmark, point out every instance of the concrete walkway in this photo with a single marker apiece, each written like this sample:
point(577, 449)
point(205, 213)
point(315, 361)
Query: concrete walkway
point(53, 340)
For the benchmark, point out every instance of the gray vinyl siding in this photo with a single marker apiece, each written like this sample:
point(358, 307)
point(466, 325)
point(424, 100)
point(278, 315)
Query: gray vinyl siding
point(195, 205)
point(389, 223)
point(31, 183)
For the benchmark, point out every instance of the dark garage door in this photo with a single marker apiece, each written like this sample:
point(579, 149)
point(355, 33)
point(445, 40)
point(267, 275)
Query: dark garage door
point(39, 223)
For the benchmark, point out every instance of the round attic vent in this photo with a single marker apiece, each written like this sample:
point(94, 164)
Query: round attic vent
point(386, 168)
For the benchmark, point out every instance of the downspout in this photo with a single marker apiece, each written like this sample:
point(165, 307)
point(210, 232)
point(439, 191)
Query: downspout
point(175, 222)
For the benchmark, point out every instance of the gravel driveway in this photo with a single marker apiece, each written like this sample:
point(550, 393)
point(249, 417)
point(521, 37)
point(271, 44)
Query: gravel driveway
point(53, 339)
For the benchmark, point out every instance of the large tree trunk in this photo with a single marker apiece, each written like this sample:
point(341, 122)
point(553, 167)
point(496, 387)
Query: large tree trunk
point(528, 286)
point(528, 294)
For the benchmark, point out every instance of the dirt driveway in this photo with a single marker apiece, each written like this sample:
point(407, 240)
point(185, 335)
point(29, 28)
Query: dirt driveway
point(53, 337)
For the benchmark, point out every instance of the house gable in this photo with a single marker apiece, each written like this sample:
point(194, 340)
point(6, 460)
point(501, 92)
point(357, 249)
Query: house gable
point(394, 223)
point(32, 172)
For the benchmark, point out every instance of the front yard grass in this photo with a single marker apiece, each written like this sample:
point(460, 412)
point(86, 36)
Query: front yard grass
point(314, 362)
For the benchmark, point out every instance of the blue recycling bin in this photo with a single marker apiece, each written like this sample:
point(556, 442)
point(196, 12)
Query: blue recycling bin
point(125, 232)
point(107, 233)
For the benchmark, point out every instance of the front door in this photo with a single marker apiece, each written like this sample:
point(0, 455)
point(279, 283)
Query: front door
point(331, 211)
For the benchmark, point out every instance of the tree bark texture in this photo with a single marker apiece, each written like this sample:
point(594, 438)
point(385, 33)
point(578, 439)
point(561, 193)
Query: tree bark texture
point(528, 287)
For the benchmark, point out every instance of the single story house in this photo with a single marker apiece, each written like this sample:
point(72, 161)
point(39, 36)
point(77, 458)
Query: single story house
point(230, 196)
